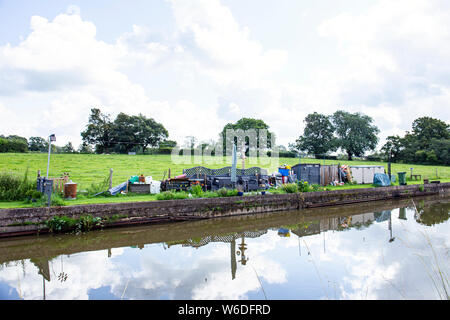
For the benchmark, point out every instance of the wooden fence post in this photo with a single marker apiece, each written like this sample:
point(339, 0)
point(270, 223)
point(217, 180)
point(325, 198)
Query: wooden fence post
point(110, 177)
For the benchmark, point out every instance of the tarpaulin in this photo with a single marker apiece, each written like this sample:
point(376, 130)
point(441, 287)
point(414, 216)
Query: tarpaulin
point(381, 180)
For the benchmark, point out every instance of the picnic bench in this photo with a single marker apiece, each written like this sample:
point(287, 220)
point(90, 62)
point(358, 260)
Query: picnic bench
point(416, 177)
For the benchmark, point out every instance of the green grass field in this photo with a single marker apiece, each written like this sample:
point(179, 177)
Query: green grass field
point(85, 169)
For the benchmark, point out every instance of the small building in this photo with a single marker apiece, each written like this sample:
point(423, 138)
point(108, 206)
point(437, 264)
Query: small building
point(316, 173)
point(364, 174)
point(309, 172)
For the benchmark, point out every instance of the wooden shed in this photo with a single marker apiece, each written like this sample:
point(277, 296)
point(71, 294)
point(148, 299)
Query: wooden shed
point(316, 173)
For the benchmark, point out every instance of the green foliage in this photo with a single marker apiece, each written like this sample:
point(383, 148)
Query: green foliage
point(60, 224)
point(197, 191)
point(245, 124)
point(65, 224)
point(290, 187)
point(303, 186)
point(57, 200)
point(318, 136)
point(222, 192)
point(136, 132)
point(13, 143)
point(87, 222)
point(170, 195)
point(37, 144)
point(97, 187)
point(98, 131)
point(355, 133)
point(68, 148)
point(428, 143)
point(13, 187)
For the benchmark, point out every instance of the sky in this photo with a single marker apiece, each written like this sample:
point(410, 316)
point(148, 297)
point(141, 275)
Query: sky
point(196, 65)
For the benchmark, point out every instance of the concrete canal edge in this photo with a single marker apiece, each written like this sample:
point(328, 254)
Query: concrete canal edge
point(25, 221)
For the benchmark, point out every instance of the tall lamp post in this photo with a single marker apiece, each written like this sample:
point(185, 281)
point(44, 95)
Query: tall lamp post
point(51, 138)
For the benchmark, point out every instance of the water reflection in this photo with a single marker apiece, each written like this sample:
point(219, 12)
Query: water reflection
point(387, 250)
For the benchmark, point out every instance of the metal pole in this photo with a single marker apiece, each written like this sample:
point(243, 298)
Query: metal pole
point(49, 148)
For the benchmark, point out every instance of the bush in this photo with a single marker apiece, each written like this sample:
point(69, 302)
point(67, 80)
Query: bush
point(290, 187)
point(87, 222)
point(222, 192)
point(57, 200)
point(14, 188)
point(169, 195)
point(60, 224)
point(99, 187)
point(303, 186)
point(316, 187)
point(197, 191)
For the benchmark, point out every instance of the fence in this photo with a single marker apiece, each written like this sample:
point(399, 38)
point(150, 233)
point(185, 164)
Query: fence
point(58, 183)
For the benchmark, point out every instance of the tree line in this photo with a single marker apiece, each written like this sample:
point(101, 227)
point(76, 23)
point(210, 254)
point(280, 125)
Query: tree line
point(427, 143)
point(354, 134)
point(126, 133)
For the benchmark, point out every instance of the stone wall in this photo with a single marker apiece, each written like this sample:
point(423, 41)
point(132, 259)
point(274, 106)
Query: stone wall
point(175, 210)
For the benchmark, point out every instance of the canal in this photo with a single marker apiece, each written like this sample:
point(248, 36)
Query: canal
point(395, 249)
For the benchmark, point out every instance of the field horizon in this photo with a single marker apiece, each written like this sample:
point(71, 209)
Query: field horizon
point(86, 169)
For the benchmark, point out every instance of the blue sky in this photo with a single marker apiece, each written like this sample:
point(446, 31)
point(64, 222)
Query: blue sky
point(213, 62)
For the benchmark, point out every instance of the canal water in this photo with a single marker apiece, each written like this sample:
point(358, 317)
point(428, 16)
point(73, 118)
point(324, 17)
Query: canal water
point(381, 250)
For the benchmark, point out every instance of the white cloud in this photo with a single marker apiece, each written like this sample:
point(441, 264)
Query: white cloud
point(212, 70)
point(226, 51)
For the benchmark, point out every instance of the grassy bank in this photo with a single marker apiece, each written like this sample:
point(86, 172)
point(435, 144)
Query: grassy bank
point(89, 169)
point(85, 169)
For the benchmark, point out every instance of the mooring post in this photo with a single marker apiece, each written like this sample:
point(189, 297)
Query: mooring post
point(110, 177)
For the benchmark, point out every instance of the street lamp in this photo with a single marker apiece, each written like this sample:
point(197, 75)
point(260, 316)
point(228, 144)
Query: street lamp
point(51, 138)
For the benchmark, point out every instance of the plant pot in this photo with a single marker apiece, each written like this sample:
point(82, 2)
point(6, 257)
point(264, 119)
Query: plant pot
point(240, 193)
point(263, 192)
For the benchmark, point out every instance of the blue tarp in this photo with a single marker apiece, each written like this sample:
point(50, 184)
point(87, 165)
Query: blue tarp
point(381, 180)
point(121, 187)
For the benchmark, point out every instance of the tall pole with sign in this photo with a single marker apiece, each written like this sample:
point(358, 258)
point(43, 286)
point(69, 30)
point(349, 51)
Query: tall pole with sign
point(51, 138)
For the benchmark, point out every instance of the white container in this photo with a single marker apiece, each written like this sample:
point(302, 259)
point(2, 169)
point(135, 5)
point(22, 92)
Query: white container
point(155, 187)
point(148, 180)
point(364, 174)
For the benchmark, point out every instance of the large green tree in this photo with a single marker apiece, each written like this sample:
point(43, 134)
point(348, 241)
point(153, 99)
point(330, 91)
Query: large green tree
point(13, 143)
point(246, 124)
point(149, 133)
point(428, 143)
point(393, 148)
point(318, 135)
point(355, 133)
point(98, 131)
point(426, 128)
point(37, 144)
point(134, 132)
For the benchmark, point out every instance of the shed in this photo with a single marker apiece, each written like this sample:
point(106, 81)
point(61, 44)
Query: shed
point(328, 174)
point(364, 174)
point(307, 172)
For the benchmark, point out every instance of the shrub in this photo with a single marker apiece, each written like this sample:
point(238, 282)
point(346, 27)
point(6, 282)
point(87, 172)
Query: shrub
point(169, 195)
point(290, 187)
point(303, 186)
point(222, 192)
point(57, 200)
point(60, 224)
point(197, 191)
point(14, 188)
point(87, 222)
point(99, 187)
